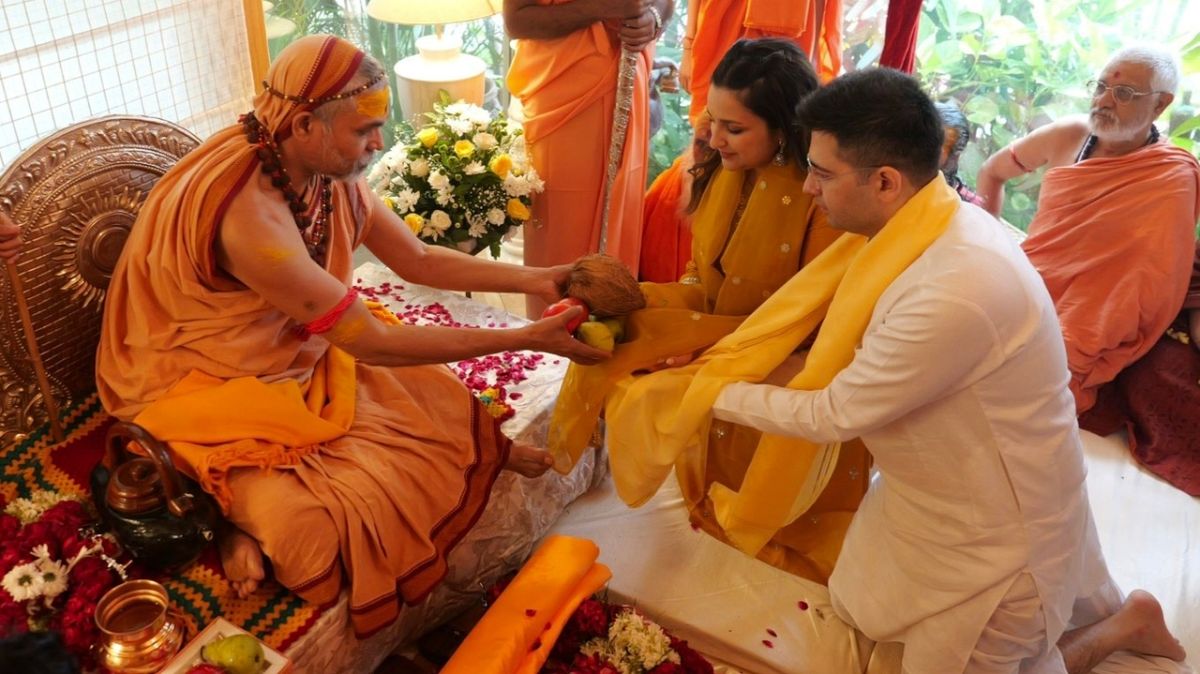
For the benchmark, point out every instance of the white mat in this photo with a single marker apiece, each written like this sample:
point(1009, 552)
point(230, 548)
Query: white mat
point(724, 602)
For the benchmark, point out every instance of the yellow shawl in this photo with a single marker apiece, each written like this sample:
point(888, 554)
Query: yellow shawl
point(663, 415)
point(779, 231)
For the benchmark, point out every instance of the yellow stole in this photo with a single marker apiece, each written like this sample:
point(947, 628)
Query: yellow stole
point(779, 230)
point(664, 416)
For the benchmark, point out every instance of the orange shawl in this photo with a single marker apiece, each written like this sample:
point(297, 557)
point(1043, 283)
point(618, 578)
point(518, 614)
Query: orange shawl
point(720, 23)
point(557, 81)
point(1113, 239)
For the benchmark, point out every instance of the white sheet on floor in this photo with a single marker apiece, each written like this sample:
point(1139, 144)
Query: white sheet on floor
point(724, 603)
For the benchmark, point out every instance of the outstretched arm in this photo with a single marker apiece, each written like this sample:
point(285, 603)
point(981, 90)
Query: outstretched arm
point(437, 267)
point(260, 246)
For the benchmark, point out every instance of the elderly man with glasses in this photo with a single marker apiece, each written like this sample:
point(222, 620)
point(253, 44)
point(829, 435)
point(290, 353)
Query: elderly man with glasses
point(1114, 234)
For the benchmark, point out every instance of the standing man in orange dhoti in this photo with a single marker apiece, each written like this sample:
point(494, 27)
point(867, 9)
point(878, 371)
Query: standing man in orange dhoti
point(335, 443)
point(1114, 233)
point(565, 74)
point(712, 28)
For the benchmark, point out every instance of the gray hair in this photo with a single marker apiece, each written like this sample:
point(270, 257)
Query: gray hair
point(368, 70)
point(1163, 64)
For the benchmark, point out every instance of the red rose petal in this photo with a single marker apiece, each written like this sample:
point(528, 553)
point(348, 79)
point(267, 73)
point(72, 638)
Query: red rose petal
point(803, 605)
point(530, 612)
point(768, 644)
point(772, 632)
point(537, 643)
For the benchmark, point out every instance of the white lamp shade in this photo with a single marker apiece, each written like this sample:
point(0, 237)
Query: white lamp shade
point(417, 12)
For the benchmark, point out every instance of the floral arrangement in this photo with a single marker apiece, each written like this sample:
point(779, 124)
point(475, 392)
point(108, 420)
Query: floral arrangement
point(54, 569)
point(463, 180)
point(604, 638)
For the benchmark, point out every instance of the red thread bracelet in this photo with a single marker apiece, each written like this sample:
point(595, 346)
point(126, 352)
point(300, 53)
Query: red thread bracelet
point(325, 322)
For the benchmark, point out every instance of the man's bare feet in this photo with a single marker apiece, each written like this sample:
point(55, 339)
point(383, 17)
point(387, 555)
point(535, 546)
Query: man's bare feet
point(1146, 630)
point(528, 461)
point(1137, 626)
point(242, 559)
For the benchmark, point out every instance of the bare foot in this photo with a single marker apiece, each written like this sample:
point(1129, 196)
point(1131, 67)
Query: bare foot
point(528, 461)
point(1142, 618)
point(242, 559)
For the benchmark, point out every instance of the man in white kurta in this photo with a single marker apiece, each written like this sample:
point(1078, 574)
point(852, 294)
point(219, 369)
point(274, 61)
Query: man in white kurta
point(975, 545)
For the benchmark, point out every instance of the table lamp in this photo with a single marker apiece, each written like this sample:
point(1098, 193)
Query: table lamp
point(439, 63)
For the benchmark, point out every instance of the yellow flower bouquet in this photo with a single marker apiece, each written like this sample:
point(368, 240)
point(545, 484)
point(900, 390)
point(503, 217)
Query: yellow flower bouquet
point(462, 180)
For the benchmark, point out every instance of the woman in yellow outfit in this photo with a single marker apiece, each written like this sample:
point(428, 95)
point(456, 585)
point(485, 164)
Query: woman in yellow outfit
point(753, 229)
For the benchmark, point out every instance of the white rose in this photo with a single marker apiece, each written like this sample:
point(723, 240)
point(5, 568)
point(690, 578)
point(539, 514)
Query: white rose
point(496, 216)
point(438, 180)
point(419, 167)
point(474, 168)
point(484, 140)
point(440, 220)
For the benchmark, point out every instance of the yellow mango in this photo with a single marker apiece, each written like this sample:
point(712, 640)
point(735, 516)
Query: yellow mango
point(597, 335)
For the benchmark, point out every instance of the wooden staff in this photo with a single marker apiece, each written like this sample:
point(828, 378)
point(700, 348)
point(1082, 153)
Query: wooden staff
point(626, 75)
point(56, 430)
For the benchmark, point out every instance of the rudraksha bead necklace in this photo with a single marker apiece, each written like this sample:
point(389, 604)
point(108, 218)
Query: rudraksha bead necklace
point(314, 231)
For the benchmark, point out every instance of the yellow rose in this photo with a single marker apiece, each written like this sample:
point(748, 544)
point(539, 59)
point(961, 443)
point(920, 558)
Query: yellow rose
point(415, 222)
point(464, 148)
point(501, 164)
point(428, 136)
point(517, 210)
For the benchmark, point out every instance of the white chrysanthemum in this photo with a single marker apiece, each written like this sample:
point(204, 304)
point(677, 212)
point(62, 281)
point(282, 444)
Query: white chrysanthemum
point(444, 198)
point(478, 116)
point(516, 186)
point(460, 125)
point(478, 225)
point(496, 216)
point(484, 141)
point(428, 232)
point(440, 220)
point(395, 159)
point(457, 108)
point(419, 167)
point(54, 577)
point(405, 199)
point(23, 582)
point(474, 168)
point(438, 180)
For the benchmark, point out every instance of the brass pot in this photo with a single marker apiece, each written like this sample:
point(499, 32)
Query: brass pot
point(139, 632)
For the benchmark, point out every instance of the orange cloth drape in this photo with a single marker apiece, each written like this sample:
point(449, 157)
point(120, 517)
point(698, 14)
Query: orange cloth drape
point(378, 471)
point(1114, 239)
point(567, 87)
point(666, 234)
point(517, 633)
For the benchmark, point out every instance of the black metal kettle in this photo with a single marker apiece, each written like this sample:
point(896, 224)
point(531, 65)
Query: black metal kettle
point(161, 517)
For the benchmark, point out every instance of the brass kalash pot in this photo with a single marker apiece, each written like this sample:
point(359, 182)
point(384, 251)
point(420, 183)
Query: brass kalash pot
point(160, 517)
point(139, 631)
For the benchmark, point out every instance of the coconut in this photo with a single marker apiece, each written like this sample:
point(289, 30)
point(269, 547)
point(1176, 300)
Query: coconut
point(606, 285)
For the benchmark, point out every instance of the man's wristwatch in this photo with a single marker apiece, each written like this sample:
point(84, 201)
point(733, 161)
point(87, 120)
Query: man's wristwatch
point(657, 20)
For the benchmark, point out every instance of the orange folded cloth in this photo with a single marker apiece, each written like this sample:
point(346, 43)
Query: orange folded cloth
point(518, 631)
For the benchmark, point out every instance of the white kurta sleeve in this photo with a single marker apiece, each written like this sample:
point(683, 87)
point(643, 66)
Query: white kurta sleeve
point(929, 344)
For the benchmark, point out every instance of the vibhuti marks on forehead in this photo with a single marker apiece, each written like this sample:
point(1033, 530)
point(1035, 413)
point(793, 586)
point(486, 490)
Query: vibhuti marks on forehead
point(374, 103)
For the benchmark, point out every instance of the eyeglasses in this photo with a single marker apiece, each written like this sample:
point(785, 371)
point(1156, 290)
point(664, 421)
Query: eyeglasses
point(822, 176)
point(1121, 92)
